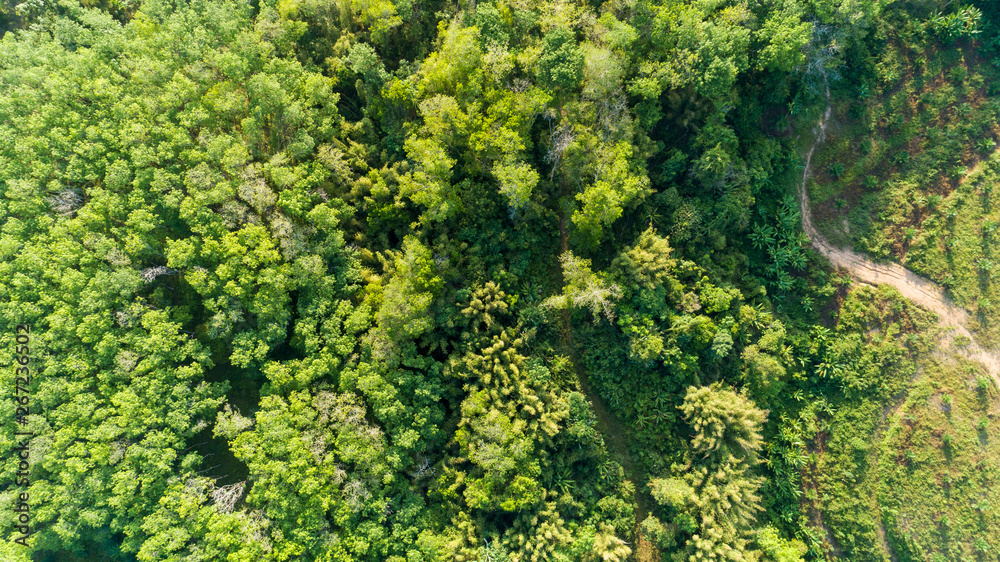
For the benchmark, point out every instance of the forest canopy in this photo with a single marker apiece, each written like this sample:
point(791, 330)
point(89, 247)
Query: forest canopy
point(416, 281)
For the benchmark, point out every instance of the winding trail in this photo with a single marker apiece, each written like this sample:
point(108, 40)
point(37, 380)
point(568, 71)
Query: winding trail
point(922, 291)
point(608, 425)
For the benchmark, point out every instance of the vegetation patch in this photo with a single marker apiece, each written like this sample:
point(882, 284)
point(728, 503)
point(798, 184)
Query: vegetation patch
point(909, 168)
point(939, 467)
point(430, 281)
point(907, 468)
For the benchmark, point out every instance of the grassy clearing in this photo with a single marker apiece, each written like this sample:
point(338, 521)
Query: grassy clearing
point(874, 353)
point(957, 246)
point(938, 472)
point(905, 463)
point(910, 167)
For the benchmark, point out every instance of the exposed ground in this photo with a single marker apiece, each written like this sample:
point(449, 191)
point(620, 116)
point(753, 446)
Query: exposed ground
point(923, 292)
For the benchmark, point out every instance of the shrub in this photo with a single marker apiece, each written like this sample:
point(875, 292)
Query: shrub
point(982, 546)
point(962, 23)
point(982, 384)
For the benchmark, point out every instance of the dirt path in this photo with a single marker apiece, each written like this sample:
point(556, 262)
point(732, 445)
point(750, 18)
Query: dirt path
point(608, 425)
point(912, 286)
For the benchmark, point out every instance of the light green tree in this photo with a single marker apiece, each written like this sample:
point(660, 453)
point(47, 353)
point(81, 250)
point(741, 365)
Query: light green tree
point(584, 289)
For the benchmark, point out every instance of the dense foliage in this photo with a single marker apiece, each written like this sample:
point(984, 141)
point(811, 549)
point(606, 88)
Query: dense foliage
point(396, 280)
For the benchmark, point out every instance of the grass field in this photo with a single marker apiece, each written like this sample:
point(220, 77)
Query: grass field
point(910, 171)
point(904, 462)
point(938, 476)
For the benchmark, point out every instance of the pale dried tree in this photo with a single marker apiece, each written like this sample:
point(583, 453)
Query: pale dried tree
point(66, 202)
point(424, 470)
point(559, 141)
point(151, 273)
point(226, 497)
point(356, 494)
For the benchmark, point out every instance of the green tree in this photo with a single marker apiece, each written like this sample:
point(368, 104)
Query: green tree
point(584, 289)
point(725, 424)
point(616, 186)
point(714, 500)
point(560, 64)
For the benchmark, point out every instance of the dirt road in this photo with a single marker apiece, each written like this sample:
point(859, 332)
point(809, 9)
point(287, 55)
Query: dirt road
point(924, 292)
